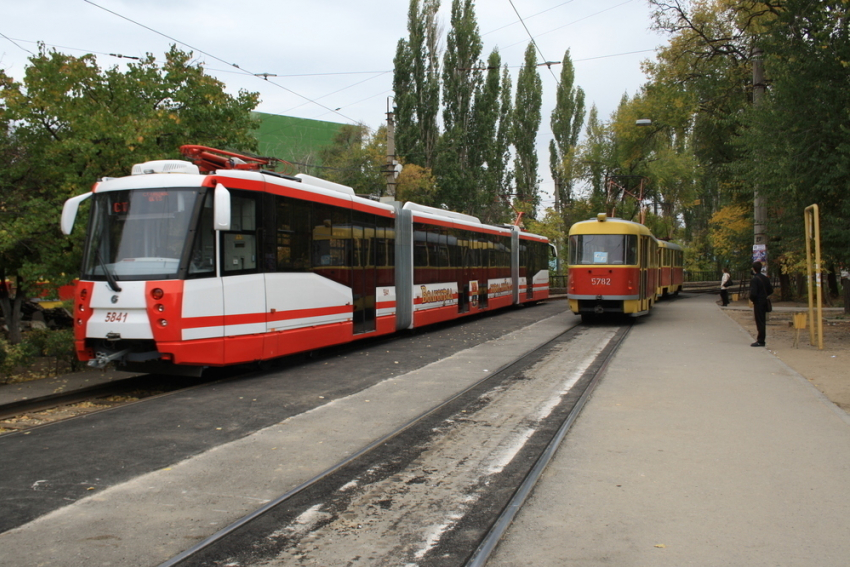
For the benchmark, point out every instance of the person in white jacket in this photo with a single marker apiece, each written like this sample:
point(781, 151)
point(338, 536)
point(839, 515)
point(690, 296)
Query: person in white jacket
point(725, 284)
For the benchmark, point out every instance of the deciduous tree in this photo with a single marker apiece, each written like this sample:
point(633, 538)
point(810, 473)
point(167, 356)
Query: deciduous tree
point(70, 123)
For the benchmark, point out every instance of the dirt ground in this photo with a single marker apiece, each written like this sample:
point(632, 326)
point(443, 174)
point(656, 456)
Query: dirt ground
point(827, 369)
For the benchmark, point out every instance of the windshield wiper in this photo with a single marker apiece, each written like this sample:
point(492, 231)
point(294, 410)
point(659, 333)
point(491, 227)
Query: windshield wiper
point(110, 278)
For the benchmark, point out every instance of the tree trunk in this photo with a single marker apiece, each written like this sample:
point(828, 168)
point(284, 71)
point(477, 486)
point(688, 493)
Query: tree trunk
point(785, 292)
point(832, 283)
point(845, 283)
point(801, 285)
point(11, 308)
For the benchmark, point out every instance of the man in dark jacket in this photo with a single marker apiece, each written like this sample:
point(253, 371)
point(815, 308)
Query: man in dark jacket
point(760, 290)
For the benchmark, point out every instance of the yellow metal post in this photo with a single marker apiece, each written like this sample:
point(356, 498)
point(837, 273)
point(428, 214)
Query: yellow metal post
point(812, 218)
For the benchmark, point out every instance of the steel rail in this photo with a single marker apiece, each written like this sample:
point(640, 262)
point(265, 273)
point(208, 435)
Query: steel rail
point(65, 398)
point(491, 540)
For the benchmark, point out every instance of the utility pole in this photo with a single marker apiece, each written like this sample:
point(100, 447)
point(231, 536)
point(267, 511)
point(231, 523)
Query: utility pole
point(390, 169)
point(759, 212)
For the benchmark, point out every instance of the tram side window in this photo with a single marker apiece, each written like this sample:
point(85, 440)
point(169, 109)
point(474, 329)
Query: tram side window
point(293, 235)
point(363, 239)
point(239, 244)
point(332, 236)
point(385, 250)
point(202, 260)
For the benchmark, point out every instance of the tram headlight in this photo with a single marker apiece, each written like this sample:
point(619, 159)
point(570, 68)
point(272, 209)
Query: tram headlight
point(157, 293)
point(82, 307)
point(84, 293)
point(79, 322)
point(159, 307)
point(163, 323)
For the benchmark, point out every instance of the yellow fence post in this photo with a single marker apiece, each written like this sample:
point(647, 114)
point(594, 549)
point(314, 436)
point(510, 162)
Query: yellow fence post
point(812, 218)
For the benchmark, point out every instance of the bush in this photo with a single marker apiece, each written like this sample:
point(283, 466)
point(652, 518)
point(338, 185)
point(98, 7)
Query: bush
point(13, 357)
point(58, 345)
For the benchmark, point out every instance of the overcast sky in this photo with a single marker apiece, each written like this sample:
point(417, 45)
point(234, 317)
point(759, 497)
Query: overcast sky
point(338, 54)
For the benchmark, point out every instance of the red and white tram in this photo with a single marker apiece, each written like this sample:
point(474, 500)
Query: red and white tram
point(188, 265)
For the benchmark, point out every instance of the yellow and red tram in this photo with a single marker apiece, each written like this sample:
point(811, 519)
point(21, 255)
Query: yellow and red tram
point(670, 268)
point(618, 267)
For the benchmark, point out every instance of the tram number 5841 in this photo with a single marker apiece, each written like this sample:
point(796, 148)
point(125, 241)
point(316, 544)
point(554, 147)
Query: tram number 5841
point(116, 317)
point(600, 281)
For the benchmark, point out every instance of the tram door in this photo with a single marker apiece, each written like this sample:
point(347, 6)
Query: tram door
point(462, 263)
point(363, 271)
point(644, 272)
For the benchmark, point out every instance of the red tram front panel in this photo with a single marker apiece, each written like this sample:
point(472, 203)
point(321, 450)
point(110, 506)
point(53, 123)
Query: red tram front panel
point(607, 283)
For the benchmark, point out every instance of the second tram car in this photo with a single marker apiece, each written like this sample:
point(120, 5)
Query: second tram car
point(617, 266)
point(216, 262)
point(670, 268)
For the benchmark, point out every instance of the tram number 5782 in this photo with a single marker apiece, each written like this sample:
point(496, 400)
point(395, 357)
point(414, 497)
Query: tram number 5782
point(600, 281)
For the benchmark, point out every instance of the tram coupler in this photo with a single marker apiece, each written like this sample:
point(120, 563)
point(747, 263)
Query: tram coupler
point(101, 359)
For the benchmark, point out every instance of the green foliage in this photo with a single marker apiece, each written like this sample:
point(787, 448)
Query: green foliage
point(38, 343)
point(797, 143)
point(552, 226)
point(456, 169)
point(416, 83)
point(489, 148)
point(356, 159)
point(70, 123)
point(526, 123)
point(13, 356)
point(417, 184)
point(567, 121)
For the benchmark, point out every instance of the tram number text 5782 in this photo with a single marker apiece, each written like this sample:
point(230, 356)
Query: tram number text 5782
point(600, 281)
point(116, 317)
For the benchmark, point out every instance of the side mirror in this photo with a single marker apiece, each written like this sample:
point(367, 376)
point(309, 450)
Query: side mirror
point(222, 208)
point(69, 212)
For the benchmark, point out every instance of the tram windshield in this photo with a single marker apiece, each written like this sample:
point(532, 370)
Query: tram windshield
point(608, 249)
point(144, 234)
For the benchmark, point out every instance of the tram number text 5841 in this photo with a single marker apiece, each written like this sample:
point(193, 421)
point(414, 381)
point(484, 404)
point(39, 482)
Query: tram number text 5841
point(600, 281)
point(116, 317)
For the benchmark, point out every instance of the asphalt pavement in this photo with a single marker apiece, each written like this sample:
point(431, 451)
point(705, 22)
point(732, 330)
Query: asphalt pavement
point(695, 449)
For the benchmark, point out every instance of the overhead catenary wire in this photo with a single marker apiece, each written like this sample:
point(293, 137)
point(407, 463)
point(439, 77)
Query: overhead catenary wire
point(529, 17)
point(217, 58)
point(534, 42)
point(575, 21)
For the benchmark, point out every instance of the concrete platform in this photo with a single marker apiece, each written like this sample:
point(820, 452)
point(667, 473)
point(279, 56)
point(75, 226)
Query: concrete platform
point(695, 449)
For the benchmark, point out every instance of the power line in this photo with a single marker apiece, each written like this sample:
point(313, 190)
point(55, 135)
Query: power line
point(529, 17)
point(576, 21)
point(12, 41)
point(534, 42)
point(216, 58)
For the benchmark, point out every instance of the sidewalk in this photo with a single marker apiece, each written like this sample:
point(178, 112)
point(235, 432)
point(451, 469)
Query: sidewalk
point(695, 449)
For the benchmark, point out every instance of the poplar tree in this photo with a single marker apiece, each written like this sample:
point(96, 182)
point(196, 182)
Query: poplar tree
point(456, 174)
point(70, 123)
point(489, 147)
point(526, 122)
point(566, 123)
point(416, 82)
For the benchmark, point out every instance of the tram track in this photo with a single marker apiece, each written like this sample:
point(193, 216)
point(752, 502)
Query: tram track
point(453, 469)
point(27, 414)
point(24, 415)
